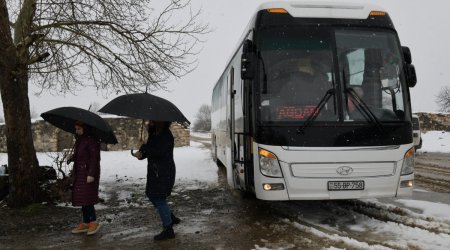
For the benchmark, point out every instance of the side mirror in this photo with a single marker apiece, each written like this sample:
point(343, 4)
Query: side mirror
point(407, 54)
point(248, 60)
point(411, 75)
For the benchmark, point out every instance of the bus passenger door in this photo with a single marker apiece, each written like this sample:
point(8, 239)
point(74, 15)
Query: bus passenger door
point(242, 162)
point(243, 158)
point(233, 147)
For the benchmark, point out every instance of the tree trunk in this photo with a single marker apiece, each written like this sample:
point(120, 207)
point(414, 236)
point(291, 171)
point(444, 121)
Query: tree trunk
point(22, 160)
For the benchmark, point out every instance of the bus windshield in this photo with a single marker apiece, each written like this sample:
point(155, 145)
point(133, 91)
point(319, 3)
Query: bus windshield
point(300, 77)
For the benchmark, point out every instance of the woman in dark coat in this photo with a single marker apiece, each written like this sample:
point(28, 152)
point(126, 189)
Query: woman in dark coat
point(160, 173)
point(86, 178)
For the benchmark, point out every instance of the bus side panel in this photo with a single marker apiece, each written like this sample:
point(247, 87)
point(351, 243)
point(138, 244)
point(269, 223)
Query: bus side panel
point(221, 124)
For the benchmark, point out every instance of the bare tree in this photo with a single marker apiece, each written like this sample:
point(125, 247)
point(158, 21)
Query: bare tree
point(203, 119)
point(443, 99)
point(119, 45)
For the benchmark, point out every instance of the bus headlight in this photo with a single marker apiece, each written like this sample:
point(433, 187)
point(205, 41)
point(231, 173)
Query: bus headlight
point(268, 164)
point(408, 162)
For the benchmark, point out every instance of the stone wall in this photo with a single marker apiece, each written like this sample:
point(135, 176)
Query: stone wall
point(434, 121)
point(48, 138)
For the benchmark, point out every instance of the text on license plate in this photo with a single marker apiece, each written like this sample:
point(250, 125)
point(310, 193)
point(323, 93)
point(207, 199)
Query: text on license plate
point(345, 185)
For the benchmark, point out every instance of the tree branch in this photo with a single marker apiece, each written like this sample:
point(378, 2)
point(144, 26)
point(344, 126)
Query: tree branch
point(38, 58)
point(120, 45)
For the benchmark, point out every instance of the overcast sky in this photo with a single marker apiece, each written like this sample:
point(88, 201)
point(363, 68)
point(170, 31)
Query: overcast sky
point(421, 25)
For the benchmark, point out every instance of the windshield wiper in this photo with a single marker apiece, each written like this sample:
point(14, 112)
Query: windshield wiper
point(312, 117)
point(364, 109)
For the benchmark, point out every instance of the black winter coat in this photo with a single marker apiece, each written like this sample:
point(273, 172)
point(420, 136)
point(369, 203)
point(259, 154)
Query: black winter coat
point(161, 167)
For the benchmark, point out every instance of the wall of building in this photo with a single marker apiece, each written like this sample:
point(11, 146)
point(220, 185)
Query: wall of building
point(48, 138)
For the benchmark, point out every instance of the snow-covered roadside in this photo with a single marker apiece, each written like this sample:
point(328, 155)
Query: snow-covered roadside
point(435, 142)
point(201, 135)
point(193, 164)
point(194, 170)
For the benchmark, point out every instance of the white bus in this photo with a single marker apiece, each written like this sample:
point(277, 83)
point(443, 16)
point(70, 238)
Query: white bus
point(314, 104)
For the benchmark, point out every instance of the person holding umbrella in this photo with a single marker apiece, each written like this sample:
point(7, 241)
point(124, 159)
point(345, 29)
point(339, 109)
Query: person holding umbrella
point(158, 150)
point(86, 173)
point(160, 173)
point(90, 130)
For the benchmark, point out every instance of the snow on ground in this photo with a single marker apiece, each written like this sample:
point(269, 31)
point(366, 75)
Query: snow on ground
point(405, 237)
point(435, 141)
point(201, 135)
point(429, 209)
point(397, 227)
point(193, 163)
point(336, 238)
point(194, 170)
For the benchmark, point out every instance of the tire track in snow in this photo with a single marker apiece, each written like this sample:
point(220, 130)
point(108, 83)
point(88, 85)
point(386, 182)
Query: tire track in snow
point(325, 221)
point(432, 175)
point(392, 213)
point(367, 225)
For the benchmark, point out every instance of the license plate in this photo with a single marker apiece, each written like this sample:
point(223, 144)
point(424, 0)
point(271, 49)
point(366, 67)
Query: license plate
point(345, 185)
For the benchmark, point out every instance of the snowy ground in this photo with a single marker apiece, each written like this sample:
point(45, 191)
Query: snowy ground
point(436, 142)
point(412, 223)
point(201, 135)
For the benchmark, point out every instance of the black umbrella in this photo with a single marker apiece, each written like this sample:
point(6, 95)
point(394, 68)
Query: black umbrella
point(145, 106)
point(65, 118)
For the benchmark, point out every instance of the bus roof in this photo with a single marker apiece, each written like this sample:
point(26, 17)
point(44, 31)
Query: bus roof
point(319, 9)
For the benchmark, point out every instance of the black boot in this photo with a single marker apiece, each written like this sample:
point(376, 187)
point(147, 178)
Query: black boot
point(167, 233)
point(175, 220)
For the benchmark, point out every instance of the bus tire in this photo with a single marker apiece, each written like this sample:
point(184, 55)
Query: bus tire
point(247, 194)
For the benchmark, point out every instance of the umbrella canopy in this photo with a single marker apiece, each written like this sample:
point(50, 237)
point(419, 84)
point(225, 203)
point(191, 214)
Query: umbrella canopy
point(65, 118)
point(145, 106)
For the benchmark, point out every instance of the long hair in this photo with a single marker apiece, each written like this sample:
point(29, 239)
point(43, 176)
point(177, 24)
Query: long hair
point(158, 127)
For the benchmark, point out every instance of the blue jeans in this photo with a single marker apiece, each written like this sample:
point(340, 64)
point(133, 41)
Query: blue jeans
point(163, 209)
point(88, 213)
